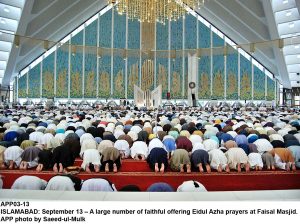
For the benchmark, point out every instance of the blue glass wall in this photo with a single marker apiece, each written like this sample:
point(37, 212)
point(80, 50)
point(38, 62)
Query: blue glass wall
point(119, 62)
point(270, 89)
point(34, 81)
point(76, 66)
point(204, 77)
point(62, 67)
point(22, 86)
point(133, 65)
point(48, 77)
point(246, 78)
point(162, 43)
point(176, 78)
point(218, 68)
point(90, 80)
point(259, 84)
point(105, 62)
point(232, 75)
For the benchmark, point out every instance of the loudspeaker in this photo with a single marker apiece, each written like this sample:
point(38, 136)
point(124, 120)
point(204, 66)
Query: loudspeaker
point(194, 100)
point(193, 96)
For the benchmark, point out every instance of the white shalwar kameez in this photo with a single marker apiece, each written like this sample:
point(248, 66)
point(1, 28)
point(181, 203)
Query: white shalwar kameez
point(13, 153)
point(216, 158)
point(235, 156)
point(60, 183)
point(91, 156)
point(97, 184)
point(29, 183)
point(255, 160)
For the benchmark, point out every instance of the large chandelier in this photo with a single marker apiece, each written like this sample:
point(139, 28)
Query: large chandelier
point(151, 11)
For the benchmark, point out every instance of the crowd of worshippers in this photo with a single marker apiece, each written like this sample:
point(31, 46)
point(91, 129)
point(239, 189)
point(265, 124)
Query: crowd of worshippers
point(66, 182)
point(178, 141)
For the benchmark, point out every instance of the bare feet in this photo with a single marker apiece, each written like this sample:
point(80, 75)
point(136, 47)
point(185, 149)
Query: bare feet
point(106, 169)
point(200, 168)
point(39, 168)
point(23, 165)
point(268, 168)
point(293, 167)
point(3, 166)
point(247, 167)
point(188, 168)
point(162, 168)
point(260, 168)
point(208, 168)
point(273, 167)
point(96, 168)
point(239, 167)
point(11, 165)
point(61, 168)
point(227, 169)
point(115, 168)
point(181, 168)
point(55, 168)
point(122, 155)
point(156, 167)
point(87, 168)
point(220, 168)
point(287, 167)
point(143, 157)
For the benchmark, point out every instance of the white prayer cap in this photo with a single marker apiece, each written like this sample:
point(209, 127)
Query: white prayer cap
point(109, 129)
point(195, 138)
point(232, 133)
point(133, 135)
point(191, 186)
point(178, 126)
point(283, 132)
point(274, 137)
point(157, 129)
point(101, 125)
point(136, 129)
point(118, 133)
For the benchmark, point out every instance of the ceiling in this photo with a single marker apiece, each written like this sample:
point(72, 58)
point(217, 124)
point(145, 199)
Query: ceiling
point(287, 18)
point(10, 14)
point(243, 21)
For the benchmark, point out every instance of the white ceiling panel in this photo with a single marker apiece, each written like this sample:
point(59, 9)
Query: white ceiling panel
point(10, 12)
point(287, 15)
point(279, 5)
point(294, 68)
point(4, 56)
point(294, 77)
point(2, 65)
point(292, 59)
point(8, 24)
point(289, 27)
point(5, 46)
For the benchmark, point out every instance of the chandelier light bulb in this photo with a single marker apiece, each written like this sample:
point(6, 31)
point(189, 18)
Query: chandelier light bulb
point(152, 11)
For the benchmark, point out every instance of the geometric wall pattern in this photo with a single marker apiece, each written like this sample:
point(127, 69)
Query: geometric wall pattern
point(82, 72)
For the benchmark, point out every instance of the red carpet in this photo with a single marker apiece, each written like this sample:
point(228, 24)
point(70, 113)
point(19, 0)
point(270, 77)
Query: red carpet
point(128, 165)
point(261, 180)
